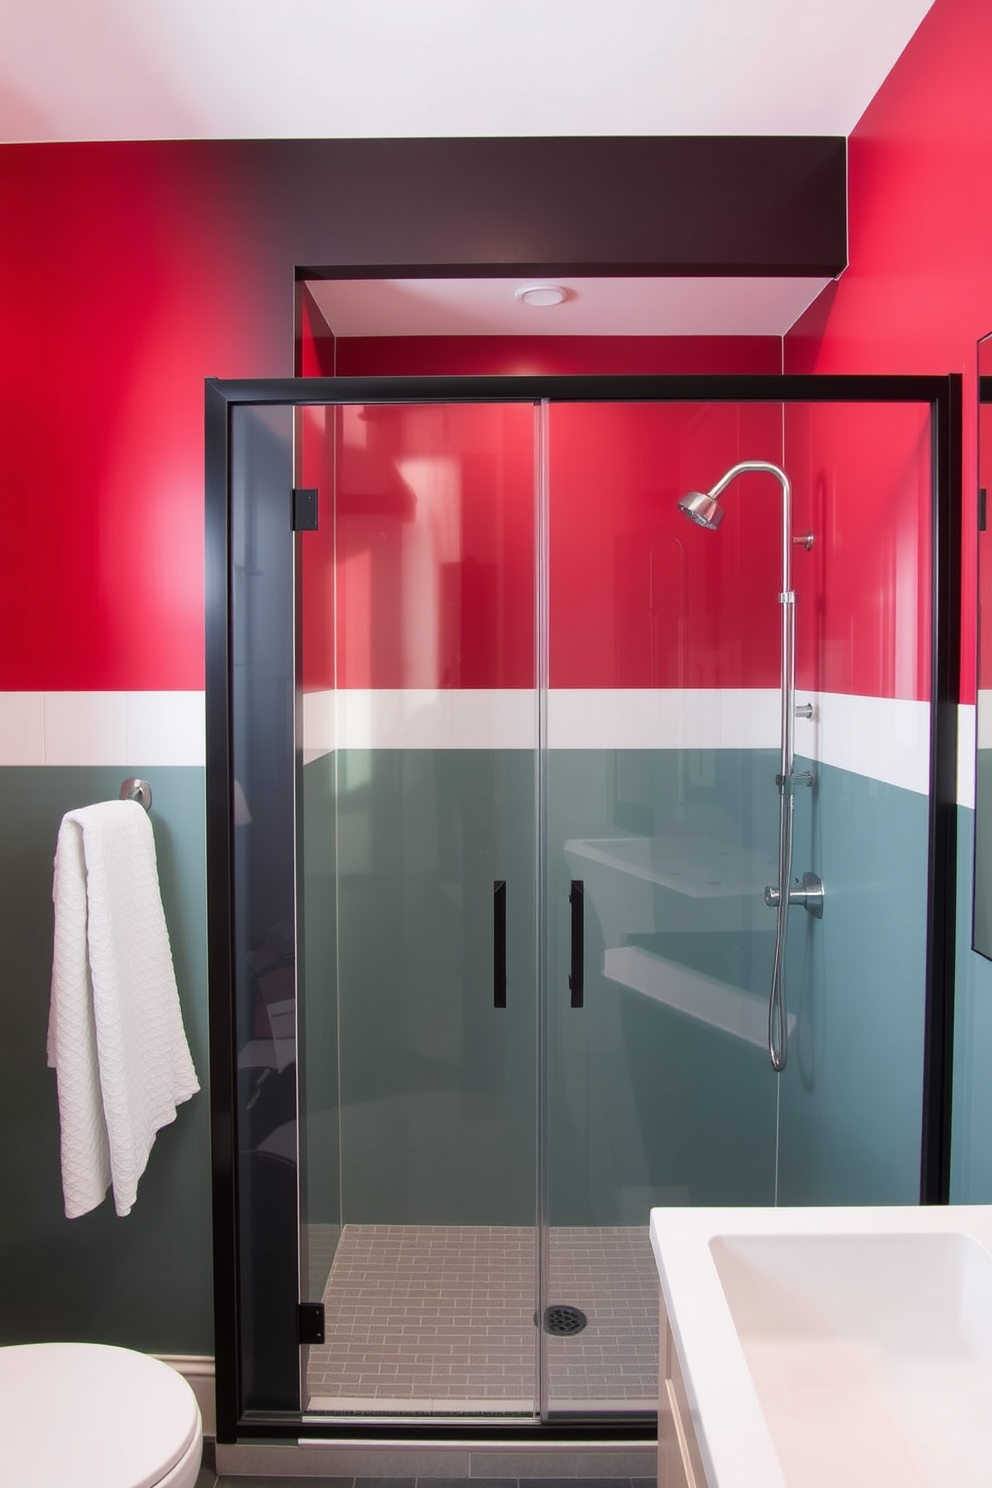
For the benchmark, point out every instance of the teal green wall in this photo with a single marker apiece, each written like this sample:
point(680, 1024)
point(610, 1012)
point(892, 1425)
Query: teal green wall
point(644, 1105)
point(851, 1094)
point(436, 1085)
point(144, 1280)
point(650, 1102)
point(971, 1143)
point(317, 1010)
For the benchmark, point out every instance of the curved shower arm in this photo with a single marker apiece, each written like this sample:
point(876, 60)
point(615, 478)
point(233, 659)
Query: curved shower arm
point(787, 599)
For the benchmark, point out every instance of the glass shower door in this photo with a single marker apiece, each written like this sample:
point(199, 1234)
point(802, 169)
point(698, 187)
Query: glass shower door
point(658, 845)
point(415, 835)
point(500, 804)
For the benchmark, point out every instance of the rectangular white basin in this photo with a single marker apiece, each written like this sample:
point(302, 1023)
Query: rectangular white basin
point(827, 1347)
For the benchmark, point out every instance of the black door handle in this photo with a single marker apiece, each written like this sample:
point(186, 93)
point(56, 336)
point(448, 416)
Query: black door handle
point(499, 943)
point(576, 976)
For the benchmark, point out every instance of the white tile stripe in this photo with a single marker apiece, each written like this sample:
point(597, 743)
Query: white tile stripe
point(967, 725)
point(102, 728)
point(984, 715)
point(418, 718)
point(671, 718)
point(885, 739)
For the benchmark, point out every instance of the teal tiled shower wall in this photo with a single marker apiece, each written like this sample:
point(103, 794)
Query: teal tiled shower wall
point(851, 1095)
point(436, 1085)
point(144, 1280)
point(318, 1006)
point(645, 1105)
point(971, 1140)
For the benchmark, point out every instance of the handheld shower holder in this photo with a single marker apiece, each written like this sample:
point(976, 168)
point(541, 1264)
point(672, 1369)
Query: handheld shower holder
point(787, 783)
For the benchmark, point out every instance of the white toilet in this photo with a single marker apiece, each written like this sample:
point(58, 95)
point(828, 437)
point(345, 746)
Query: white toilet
point(84, 1415)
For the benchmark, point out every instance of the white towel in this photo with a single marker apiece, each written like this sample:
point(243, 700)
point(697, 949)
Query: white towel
point(115, 1030)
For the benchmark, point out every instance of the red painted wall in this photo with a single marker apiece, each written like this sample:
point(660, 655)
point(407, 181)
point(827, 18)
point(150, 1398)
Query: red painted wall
point(315, 342)
point(128, 273)
point(918, 292)
point(425, 575)
point(519, 356)
point(435, 525)
point(861, 478)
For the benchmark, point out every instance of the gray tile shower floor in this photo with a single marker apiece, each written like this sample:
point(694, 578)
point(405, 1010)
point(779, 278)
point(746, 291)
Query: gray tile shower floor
point(440, 1318)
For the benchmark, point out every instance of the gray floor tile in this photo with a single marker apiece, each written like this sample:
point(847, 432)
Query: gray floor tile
point(467, 1483)
point(572, 1482)
point(437, 1314)
point(228, 1481)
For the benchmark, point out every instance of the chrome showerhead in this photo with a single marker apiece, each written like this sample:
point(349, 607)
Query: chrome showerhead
point(703, 508)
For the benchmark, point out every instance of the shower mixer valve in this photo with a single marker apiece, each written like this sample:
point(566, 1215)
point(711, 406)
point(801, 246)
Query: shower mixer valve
point(809, 894)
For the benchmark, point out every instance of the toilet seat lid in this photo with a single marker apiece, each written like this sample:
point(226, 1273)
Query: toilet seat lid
point(86, 1415)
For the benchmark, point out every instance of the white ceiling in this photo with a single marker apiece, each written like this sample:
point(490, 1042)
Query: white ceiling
point(221, 69)
point(595, 307)
point(165, 69)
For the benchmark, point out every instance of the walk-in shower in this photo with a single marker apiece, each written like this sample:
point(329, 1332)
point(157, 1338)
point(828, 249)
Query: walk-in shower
point(492, 814)
point(705, 510)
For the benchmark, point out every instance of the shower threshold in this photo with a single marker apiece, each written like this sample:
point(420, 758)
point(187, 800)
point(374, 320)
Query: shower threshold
point(439, 1320)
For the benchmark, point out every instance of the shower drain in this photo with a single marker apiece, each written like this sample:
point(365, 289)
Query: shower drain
point(563, 1320)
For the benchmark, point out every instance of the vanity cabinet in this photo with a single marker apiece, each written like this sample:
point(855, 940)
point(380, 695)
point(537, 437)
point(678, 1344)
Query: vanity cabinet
point(680, 1464)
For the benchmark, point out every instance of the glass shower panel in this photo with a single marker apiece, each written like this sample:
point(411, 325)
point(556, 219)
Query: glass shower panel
point(852, 1094)
point(261, 721)
point(416, 907)
point(662, 817)
point(661, 807)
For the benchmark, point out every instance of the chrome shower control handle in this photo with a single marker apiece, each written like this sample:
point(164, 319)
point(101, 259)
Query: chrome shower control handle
point(809, 894)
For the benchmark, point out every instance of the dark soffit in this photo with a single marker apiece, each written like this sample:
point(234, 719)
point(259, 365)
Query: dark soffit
point(692, 205)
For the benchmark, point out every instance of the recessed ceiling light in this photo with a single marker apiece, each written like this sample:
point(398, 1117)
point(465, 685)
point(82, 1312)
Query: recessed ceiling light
point(540, 294)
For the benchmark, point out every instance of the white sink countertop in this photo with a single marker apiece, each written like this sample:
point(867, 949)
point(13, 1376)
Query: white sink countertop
point(833, 1345)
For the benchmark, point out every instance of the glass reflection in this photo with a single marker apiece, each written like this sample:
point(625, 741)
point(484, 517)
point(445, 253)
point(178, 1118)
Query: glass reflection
point(982, 922)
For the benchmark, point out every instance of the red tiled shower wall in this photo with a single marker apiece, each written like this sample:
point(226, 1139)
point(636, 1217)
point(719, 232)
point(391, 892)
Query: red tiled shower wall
point(861, 482)
point(520, 356)
point(433, 548)
point(639, 596)
point(444, 499)
point(918, 292)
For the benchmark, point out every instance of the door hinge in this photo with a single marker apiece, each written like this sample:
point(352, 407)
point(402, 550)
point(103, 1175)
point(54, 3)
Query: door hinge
point(304, 509)
point(310, 1316)
point(982, 498)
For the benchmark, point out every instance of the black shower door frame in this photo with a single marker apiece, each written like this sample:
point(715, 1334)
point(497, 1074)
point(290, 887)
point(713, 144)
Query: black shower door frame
point(280, 1346)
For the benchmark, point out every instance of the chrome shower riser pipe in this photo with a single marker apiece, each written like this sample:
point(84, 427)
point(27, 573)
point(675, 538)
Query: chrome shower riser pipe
point(782, 895)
